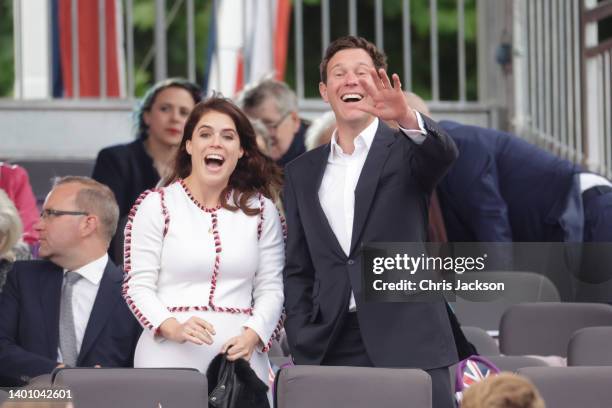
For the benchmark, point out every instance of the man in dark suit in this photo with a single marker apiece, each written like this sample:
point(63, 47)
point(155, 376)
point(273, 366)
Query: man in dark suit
point(370, 184)
point(67, 310)
point(503, 189)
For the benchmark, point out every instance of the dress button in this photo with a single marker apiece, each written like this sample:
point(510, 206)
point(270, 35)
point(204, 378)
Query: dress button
point(350, 262)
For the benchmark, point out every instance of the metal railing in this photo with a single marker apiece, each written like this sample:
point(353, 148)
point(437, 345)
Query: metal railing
point(597, 88)
point(562, 79)
point(158, 56)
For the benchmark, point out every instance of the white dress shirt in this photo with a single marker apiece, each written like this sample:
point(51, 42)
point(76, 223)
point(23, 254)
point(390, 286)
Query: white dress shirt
point(337, 191)
point(84, 294)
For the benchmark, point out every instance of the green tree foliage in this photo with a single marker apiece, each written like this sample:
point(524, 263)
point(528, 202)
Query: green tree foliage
point(7, 74)
point(393, 42)
point(144, 22)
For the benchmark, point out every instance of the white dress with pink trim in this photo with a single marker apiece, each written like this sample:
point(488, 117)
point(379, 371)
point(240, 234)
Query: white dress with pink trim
point(184, 260)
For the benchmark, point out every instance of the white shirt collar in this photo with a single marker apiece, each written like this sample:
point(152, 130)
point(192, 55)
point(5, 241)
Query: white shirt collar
point(363, 140)
point(94, 270)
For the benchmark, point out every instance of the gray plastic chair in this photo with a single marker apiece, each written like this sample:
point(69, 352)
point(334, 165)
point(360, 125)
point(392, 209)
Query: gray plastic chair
point(3, 396)
point(134, 387)
point(520, 287)
point(485, 344)
point(355, 387)
point(591, 346)
point(572, 387)
point(545, 328)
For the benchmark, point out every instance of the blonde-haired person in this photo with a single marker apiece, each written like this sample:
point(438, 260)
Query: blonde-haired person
point(12, 248)
point(505, 390)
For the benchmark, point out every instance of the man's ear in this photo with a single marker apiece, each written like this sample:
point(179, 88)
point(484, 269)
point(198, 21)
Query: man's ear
point(323, 91)
point(90, 225)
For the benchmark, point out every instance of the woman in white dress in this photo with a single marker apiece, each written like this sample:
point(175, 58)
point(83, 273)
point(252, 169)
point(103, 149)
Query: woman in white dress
point(204, 254)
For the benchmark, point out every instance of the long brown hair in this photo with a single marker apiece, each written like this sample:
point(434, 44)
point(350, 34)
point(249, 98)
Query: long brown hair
point(254, 173)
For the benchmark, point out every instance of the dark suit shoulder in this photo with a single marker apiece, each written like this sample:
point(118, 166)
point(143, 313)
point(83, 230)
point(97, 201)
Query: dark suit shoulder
point(34, 266)
point(305, 160)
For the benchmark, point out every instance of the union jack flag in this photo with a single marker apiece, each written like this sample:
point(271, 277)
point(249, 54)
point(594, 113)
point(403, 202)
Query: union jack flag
point(470, 371)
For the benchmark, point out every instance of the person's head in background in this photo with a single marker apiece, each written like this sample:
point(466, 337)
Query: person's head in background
point(10, 227)
point(78, 220)
point(275, 105)
point(164, 109)
point(262, 136)
point(416, 102)
point(505, 390)
point(320, 130)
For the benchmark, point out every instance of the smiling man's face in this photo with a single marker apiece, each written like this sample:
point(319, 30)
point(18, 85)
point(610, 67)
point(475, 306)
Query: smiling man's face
point(342, 89)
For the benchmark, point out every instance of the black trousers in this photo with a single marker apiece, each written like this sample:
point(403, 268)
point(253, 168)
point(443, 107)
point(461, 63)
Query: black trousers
point(348, 350)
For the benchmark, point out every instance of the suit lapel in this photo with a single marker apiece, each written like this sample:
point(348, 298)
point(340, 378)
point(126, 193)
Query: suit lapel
point(50, 297)
point(368, 179)
point(105, 301)
point(313, 184)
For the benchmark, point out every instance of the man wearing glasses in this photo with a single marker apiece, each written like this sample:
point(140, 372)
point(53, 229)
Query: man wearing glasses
point(67, 310)
point(275, 105)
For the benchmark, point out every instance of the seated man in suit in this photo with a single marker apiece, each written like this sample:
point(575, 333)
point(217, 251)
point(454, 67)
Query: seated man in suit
point(67, 310)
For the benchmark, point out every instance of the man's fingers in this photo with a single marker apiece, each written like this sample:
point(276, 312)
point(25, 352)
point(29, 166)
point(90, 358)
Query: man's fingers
point(376, 79)
point(396, 82)
point(367, 86)
point(384, 78)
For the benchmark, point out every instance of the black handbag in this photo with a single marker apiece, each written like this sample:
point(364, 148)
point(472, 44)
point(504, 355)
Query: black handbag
point(234, 384)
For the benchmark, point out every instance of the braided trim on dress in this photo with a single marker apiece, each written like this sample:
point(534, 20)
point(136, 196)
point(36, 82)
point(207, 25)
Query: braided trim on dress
point(127, 252)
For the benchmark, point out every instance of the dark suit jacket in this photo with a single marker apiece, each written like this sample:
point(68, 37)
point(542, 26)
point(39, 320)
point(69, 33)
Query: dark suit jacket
point(128, 171)
point(391, 201)
point(29, 323)
point(502, 188)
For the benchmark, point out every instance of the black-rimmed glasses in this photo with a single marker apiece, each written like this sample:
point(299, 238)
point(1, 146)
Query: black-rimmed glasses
point(273, 126)
point(48, 212)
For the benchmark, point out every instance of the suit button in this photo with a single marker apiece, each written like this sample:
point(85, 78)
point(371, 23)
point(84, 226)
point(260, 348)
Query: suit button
point(351, 262)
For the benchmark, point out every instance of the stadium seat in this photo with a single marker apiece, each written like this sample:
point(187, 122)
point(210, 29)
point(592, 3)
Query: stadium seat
point(591, 346)
point(572, 387)
point(520, 287)
point(514, 363)
point(134, 387)
point(355, 387)
point(485, 344)
point(41, 172)
point(545, 328)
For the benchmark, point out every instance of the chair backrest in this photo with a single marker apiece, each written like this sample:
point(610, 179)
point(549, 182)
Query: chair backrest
point(485, 344)
point(41, 172)
point(134, 387)
point(545, 328)
point(519, 287)
point(572, 387)
point(591, 346)
point(3, 396)
point(355, 387)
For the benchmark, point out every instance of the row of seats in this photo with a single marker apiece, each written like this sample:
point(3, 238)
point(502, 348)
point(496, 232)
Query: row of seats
point(315, 386)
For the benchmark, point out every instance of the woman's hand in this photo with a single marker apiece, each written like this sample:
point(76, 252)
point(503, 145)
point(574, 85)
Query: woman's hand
point(194, 330)
point(241, 346)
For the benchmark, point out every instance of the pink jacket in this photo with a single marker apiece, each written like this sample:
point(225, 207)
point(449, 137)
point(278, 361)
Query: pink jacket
point(15, 182)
